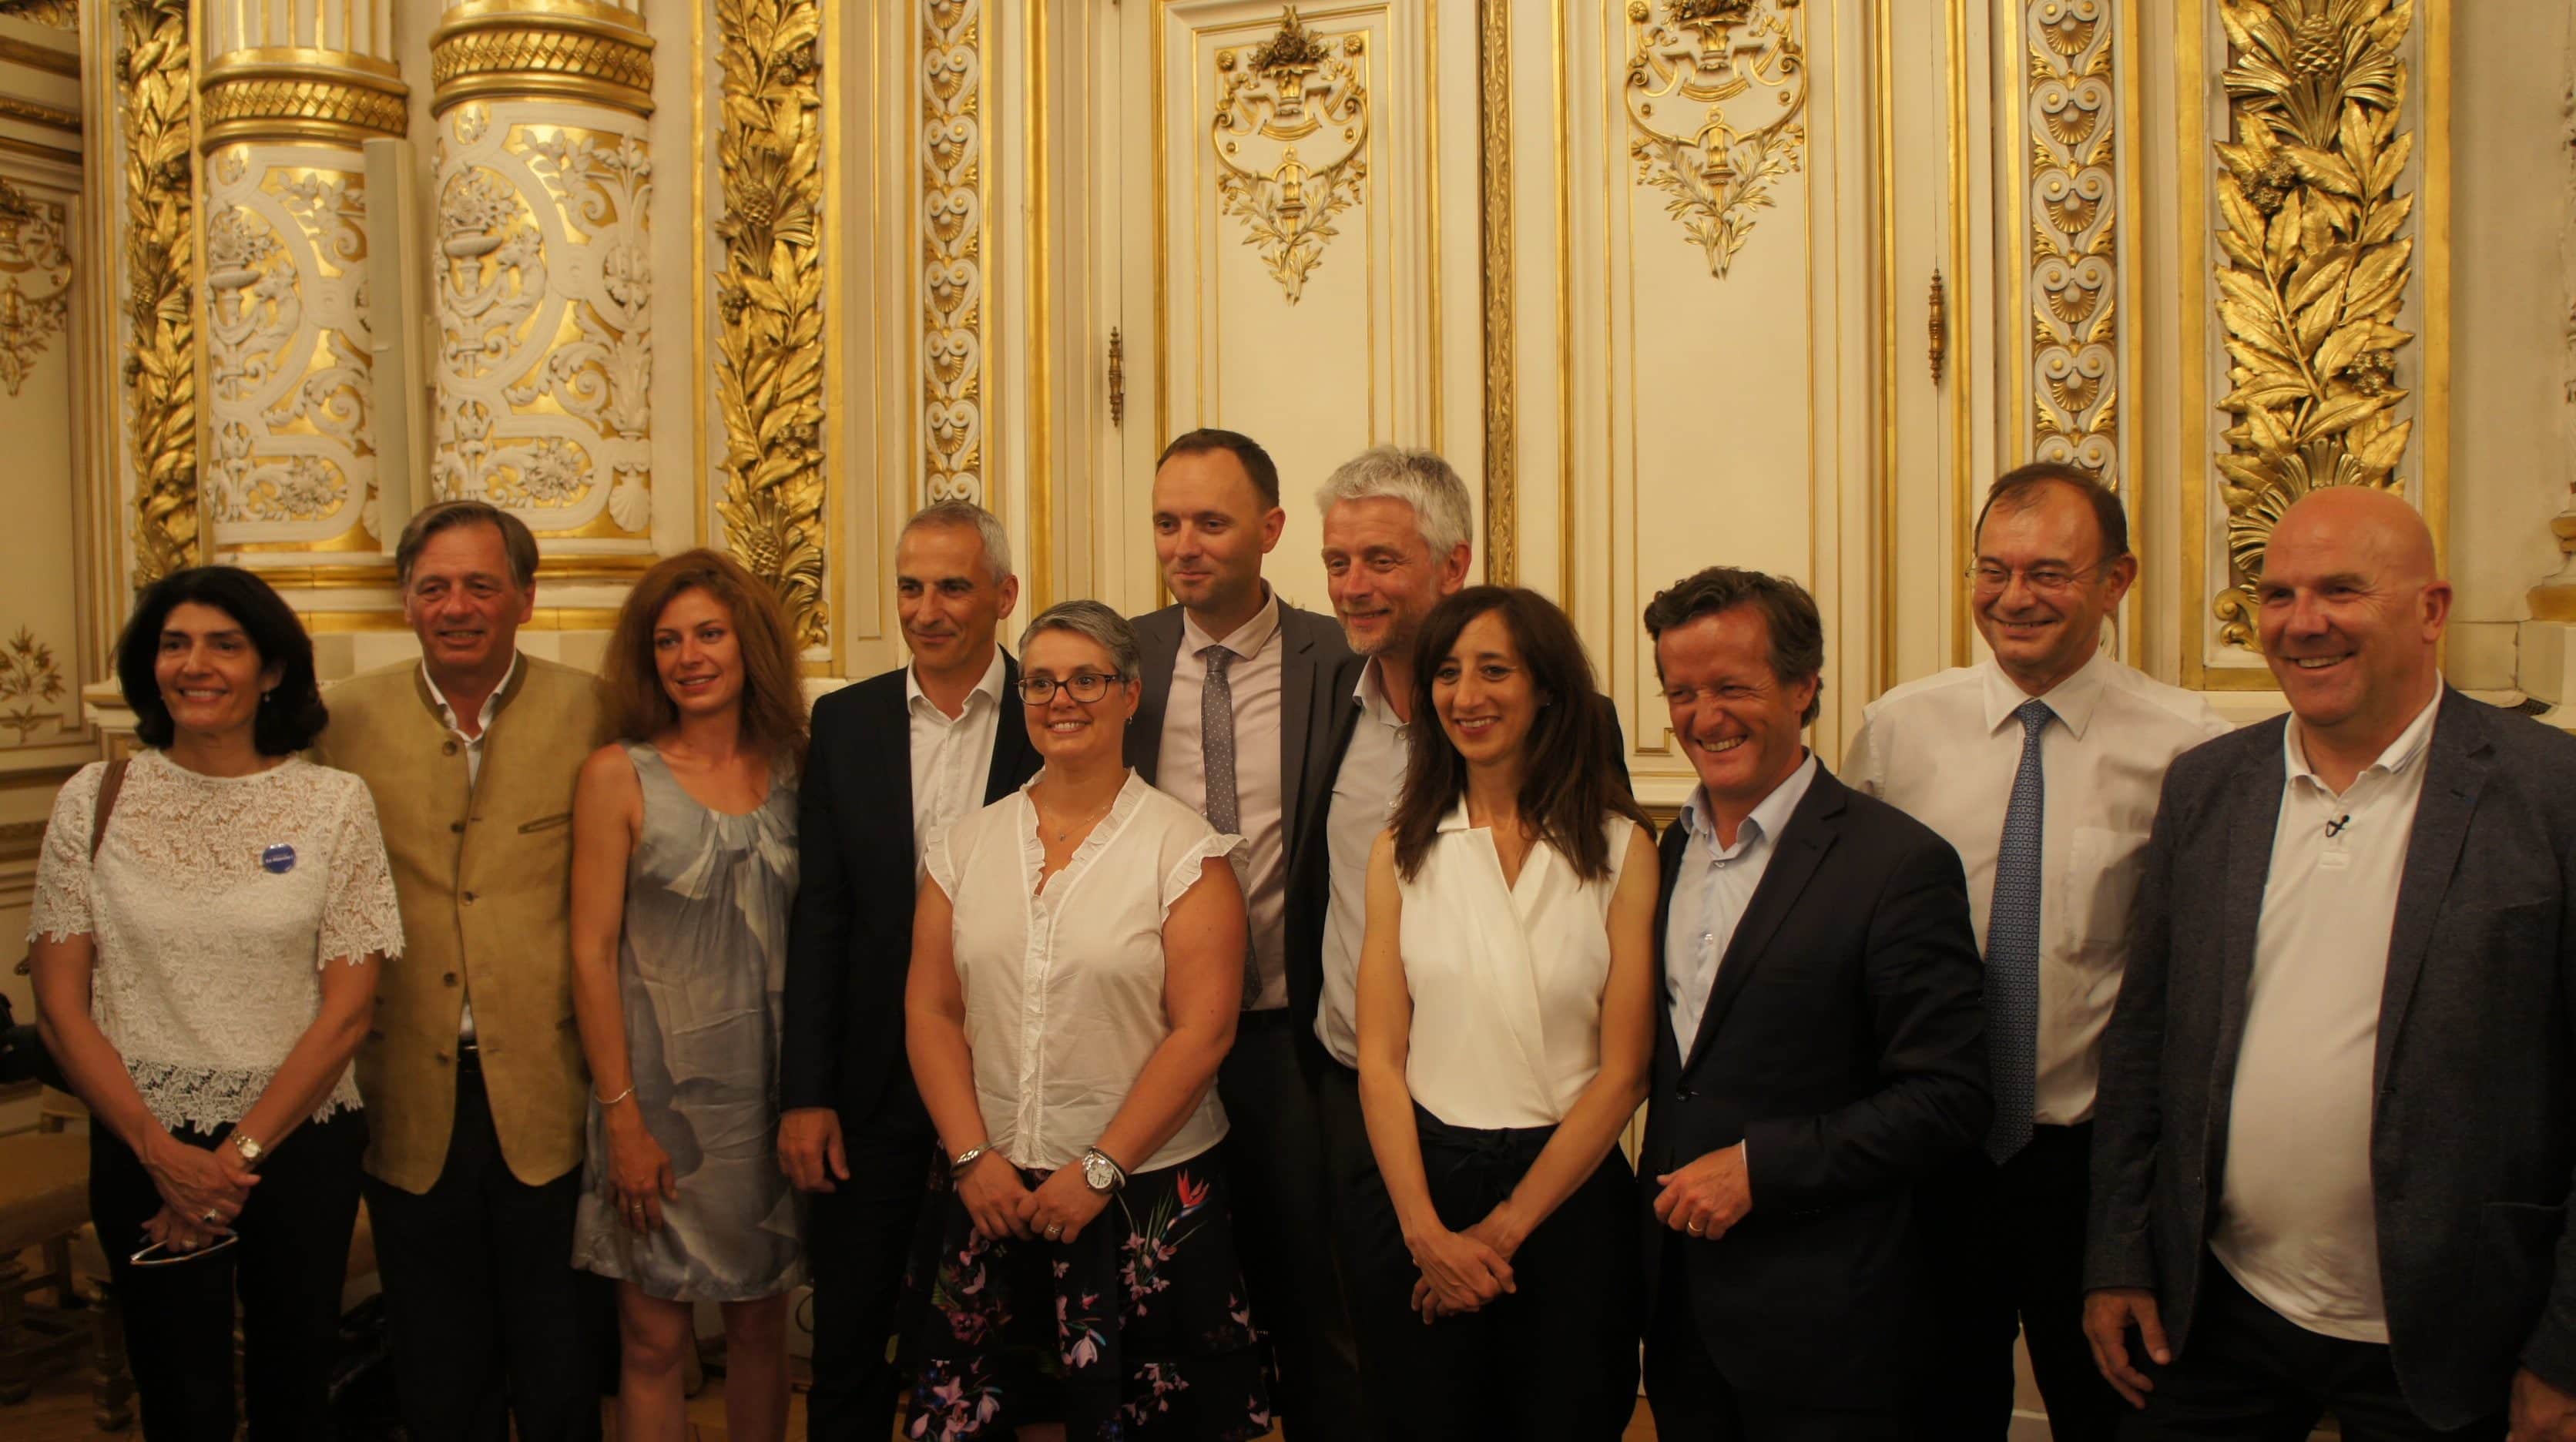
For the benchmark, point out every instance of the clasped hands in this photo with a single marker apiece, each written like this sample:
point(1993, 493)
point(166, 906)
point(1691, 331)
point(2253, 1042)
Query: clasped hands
point(1001, 1205)
point(202, 1191)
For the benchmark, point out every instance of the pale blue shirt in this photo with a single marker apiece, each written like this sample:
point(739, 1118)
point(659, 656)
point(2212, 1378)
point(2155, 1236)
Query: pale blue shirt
point(1711, 891)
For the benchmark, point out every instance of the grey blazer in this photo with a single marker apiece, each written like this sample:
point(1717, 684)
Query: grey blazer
point(1314, 650)
point(2473, 1131)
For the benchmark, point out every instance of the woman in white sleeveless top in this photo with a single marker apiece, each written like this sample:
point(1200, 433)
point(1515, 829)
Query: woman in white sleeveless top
point(1506, 1032)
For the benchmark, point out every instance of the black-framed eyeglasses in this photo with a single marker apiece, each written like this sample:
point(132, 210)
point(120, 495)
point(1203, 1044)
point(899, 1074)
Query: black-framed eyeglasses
point(1084, 687)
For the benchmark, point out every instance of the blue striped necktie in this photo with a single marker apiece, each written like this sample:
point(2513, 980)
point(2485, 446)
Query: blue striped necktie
point(2012, 948)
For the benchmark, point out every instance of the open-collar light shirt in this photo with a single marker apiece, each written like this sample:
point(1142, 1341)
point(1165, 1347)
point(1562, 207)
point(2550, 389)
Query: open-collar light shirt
point(1363, 802)
point(951, 755)
point(1711, 890)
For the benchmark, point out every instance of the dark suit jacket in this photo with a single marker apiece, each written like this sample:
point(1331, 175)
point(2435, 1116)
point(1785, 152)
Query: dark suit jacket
point(1313, 652)
point(849, 945)
point(1310, 874)
point(2473, 1134)
point(1844, 1043)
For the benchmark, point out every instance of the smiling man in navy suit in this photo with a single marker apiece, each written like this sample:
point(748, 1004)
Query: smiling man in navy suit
point(1823, 1046)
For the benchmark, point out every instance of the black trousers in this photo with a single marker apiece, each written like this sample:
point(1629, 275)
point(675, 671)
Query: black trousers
point(1366, 1240)
point(858, 1239)
point(286, 1270)
point(1274, 1156)
point(2004, 1255)
point(1695, 1402)
point(2249, 1374)
point(1554, 1360)
point(487, 1319)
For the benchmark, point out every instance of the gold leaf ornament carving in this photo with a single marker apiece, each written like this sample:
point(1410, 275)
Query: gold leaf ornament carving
point(58, 14)
point(155, 86)
point(31, 247)
point(769, 300)
point(1291, 139)
point(2074, 255)
point(2317, 258)
point(30, 677)
point(1714, 95)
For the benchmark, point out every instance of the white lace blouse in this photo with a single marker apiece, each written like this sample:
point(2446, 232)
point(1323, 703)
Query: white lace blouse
point(214, 903)
point(1064, 989)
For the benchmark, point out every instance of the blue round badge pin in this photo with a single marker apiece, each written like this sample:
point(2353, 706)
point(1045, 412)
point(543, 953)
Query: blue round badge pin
point(278, 859)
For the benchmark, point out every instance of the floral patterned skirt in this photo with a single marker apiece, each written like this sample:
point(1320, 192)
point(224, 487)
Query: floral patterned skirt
point(1135, 1330)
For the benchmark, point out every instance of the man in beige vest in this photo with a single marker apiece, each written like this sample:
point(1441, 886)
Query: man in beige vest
point(473, 1076)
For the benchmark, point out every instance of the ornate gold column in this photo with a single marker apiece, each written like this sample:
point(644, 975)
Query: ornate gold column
point(542, 274)
point(289, 96)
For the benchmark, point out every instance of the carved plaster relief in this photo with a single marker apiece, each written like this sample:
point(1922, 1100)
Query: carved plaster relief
point(952, 243)
point(1714, 95)
point(1291, 141)
point(2074, 253)
point(32, 254)
point(544, 295)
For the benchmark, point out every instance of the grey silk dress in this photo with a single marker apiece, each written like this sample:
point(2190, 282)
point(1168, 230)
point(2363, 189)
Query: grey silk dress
point(701, 965)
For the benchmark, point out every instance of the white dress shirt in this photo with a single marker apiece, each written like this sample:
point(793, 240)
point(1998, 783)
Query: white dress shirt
point(1506, 977)
point(1945, 750)
point(1064, 985)
point(1363, 802)
point(951, 755)
point(1710, 891)
point(1254, 676)
point(473, 774)
point(2296, 1225)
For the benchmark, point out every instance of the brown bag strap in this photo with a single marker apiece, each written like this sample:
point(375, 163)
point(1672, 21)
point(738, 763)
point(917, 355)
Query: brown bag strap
point(108, 786)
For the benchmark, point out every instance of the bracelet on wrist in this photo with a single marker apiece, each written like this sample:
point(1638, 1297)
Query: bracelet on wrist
point(606, 1102)
point(958, 1164)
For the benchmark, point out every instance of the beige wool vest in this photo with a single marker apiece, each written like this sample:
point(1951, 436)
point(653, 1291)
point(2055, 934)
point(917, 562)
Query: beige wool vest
point(483, 870)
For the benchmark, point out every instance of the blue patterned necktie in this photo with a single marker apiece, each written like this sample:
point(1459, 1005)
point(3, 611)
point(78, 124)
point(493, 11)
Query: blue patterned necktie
point(2012, 948)
point(1224, 809)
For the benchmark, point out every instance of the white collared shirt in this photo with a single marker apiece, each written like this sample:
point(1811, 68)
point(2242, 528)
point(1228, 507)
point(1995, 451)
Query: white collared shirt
point(1064, 983)
point(1945, 750)
point(2296, 1224)
point(1254, 676)
point(473, 770)
point(1363, 802)
point(1506, 977)
point(951, 755)
point(1711, 890)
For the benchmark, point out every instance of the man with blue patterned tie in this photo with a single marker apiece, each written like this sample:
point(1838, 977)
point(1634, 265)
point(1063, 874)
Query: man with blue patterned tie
point(2041, 765)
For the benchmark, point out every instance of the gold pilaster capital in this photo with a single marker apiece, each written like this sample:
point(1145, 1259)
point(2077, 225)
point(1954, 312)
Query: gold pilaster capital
point(541, 49)
point(279, 94)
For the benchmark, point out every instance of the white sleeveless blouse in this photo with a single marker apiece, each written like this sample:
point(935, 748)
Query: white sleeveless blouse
point(1506, 980)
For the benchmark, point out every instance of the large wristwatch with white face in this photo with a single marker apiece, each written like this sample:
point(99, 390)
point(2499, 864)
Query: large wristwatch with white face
point(1100, 1173)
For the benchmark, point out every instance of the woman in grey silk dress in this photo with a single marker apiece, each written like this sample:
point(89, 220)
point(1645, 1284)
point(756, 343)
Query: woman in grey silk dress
point(684, 864)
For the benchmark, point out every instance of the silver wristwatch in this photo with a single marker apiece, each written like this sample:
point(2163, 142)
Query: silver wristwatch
point(1100, 1173)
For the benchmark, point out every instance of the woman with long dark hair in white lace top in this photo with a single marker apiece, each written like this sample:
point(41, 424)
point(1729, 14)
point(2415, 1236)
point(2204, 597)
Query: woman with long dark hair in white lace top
point(205, 967)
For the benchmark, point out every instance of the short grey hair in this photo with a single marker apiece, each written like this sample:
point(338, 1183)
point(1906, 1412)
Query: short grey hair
point(997, 542)
point(1092, 621)
point(1420, 479)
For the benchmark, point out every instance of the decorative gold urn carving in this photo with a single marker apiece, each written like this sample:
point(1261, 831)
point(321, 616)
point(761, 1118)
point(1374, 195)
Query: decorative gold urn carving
point(1714, 95)
point(1291, 139)
point(557, 49)
point(769, 298)
point(2074, 253)
point(2318, 256)
point(153, 83)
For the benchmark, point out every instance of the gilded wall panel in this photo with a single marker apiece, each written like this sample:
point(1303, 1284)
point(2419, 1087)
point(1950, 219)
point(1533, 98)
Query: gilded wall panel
point(2327, 313)
point(42, 665)
point(543, 294)
point(1716, 95)
point(35, 283)
point(954, 197)
point(2074, 249)
point(156, 184)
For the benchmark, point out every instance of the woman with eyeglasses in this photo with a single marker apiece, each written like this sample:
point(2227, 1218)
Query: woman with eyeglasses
point(1077, 963)
point(683, 867)
point(1506, 1036)
point(209, 919)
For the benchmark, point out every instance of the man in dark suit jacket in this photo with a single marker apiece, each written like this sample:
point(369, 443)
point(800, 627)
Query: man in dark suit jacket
point(1823, 1046)
point(2338, 1104)
point(1236, 675)
point(853, 1132)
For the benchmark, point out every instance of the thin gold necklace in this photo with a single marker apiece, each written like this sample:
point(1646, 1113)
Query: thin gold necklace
point(1094, 815)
